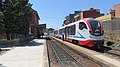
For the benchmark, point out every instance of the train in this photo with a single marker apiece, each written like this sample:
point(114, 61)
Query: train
point(86, 32)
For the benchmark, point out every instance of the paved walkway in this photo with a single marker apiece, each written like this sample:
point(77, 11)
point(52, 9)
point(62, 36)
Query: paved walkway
point(30, 55)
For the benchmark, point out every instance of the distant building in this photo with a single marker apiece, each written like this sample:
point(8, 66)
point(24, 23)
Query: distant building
point(91, 13)
point(105, 18)
point(102, 14)
point(50, 30)
point(116, 11)
point(41, 30)
point(69, 19)
point(77, 15)
point(33, 29)
point(112, 12)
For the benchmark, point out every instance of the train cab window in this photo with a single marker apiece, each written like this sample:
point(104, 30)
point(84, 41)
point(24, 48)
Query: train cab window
point(82, 26)
point(94, 24)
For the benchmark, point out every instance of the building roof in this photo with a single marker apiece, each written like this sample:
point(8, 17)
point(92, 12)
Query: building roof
point(36, 13)
point(116, 4)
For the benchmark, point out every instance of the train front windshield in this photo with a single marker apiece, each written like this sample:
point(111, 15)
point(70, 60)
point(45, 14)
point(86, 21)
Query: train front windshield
point(95, 25)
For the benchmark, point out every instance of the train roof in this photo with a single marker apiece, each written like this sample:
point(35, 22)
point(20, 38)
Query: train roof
point(83, 20)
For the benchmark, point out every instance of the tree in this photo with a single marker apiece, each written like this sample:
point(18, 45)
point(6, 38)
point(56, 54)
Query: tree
point(1, 22)
point(17, 15)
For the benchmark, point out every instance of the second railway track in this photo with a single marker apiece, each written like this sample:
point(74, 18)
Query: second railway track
point(113, 53)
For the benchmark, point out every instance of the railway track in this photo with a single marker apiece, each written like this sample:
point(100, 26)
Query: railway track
point(108, 51)
point(63, 57)
point(113, 53)
point(66, 57)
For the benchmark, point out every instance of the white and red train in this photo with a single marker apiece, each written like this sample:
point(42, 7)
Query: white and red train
point(87, 32)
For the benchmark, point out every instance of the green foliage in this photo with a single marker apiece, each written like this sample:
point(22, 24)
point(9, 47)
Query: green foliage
point(1, 22)
point(17, 15)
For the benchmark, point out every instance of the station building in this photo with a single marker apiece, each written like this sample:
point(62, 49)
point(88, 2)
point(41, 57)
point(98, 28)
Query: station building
point(33, 28)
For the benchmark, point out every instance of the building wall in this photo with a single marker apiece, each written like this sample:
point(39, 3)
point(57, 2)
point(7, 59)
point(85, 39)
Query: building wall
point(91, 13)
point(71, 18)
point(112, 12)
point(34, 19)
point(117, 10)
point(33, 24)
point(105, 18)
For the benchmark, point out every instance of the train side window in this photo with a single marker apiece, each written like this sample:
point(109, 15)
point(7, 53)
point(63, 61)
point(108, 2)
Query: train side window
point(72, 30)
point(68, 30)
point(82, 26)
point(61, 31)
point(56, 32)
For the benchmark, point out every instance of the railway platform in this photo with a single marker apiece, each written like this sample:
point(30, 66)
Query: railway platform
point(93, 55)
point(32, 54)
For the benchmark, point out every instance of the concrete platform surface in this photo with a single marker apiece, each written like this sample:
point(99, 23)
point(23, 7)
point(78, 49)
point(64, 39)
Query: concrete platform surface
point(30, 55)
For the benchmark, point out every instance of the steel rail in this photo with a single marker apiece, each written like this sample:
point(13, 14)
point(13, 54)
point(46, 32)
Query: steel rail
point(54, 45)
point(56, 54)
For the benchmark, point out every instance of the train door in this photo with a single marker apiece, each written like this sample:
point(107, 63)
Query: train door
point(65, 33)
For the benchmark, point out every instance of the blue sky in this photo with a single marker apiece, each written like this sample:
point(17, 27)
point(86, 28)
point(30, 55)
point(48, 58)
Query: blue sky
point(53, 12)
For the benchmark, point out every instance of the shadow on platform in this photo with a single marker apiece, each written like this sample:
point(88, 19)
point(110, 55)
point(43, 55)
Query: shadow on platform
point(33, 43)
point(2, 65)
